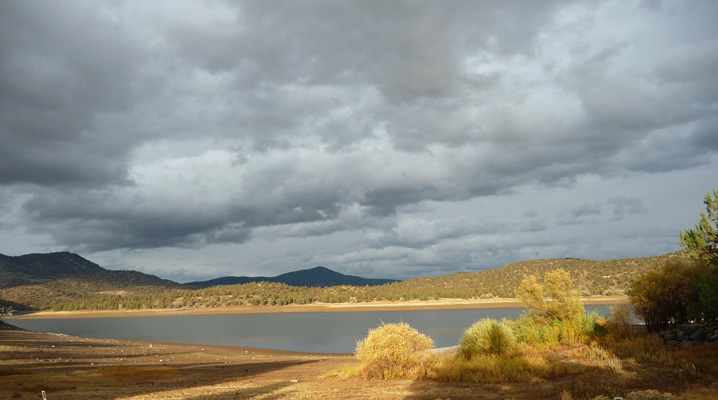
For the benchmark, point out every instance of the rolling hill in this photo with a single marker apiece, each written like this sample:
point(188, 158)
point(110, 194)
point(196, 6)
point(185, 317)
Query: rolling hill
point(75, 283)
point(590, 277)
point(39, 280)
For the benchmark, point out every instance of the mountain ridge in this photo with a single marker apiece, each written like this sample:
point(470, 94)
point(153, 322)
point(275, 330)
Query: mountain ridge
point(33, 280)
point(112, 290)
point(312, 277)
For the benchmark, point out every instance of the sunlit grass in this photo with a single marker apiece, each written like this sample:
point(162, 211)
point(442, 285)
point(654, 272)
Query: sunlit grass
point(493, 368)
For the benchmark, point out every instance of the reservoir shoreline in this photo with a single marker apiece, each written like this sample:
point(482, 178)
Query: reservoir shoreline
point(434, 305)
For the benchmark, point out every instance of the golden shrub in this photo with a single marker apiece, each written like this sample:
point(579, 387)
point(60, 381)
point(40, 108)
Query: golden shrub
point(394, 351)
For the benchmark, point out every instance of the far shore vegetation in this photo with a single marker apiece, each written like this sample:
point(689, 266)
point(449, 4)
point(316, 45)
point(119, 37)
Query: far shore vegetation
point(612, 277)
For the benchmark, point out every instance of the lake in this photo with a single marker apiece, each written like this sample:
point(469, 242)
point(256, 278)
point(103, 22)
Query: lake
point(306, 332)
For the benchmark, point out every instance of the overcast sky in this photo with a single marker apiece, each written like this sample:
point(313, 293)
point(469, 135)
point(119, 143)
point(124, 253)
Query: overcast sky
point(197, 139)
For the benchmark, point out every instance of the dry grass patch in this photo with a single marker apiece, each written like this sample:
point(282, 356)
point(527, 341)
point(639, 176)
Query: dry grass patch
point(492, 368)
point(138, 373)
point(7, 371)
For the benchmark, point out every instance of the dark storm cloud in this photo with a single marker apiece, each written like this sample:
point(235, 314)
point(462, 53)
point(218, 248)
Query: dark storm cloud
point(185, 124)
point(59, 73)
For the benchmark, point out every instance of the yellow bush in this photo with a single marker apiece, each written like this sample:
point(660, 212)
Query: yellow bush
point(487, 336)
point(394, 351)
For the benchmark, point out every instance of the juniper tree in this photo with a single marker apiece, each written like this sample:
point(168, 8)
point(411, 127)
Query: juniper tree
point(702, 241)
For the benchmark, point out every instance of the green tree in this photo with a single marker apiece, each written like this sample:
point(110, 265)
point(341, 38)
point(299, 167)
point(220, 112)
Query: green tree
point(702, 241)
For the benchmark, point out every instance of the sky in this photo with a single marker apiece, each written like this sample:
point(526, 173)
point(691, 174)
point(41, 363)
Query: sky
point(386, 139)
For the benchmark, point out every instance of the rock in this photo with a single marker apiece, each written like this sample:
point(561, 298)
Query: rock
point(649, 395)
point(699, 334)
point(690, 332)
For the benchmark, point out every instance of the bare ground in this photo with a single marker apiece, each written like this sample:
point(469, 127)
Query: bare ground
point(67, 367)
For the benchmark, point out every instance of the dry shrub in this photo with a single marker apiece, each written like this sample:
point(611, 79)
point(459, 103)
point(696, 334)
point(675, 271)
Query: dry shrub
point(394, 351)
point(494, 369)
point(544, 335)
point(674, 294)
point(487, 336)
point(619, 324)
point(344, 372)
point(650, 395)
point(138, 373)
point(600, 354)
point(645, 348)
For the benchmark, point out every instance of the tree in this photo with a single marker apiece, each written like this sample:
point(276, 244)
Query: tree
point(683, 290)
point(702, 242)
point(563, 303)
point(668, 295)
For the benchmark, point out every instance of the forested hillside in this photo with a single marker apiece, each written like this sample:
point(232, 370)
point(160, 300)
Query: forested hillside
point(590, 277)
point(39, 281)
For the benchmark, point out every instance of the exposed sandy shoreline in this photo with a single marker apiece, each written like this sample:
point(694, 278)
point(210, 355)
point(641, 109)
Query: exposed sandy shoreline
point(452, 304)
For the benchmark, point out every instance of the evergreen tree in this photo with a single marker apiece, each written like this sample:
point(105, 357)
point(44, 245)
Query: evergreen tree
point(702, 241)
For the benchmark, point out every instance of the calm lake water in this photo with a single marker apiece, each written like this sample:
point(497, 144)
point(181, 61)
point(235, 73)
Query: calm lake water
point(307, 332)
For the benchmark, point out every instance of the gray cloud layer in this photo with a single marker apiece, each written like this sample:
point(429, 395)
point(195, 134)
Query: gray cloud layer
point(136, 125)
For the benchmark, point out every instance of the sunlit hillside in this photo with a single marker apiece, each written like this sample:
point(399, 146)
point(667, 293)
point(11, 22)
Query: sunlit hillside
point(124, 291)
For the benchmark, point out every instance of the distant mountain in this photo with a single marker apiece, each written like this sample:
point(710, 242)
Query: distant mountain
point(40, 268)
point(314, 277)
point(35, 280)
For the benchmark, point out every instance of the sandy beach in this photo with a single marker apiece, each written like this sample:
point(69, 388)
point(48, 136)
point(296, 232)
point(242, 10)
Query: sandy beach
point(449, 304)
